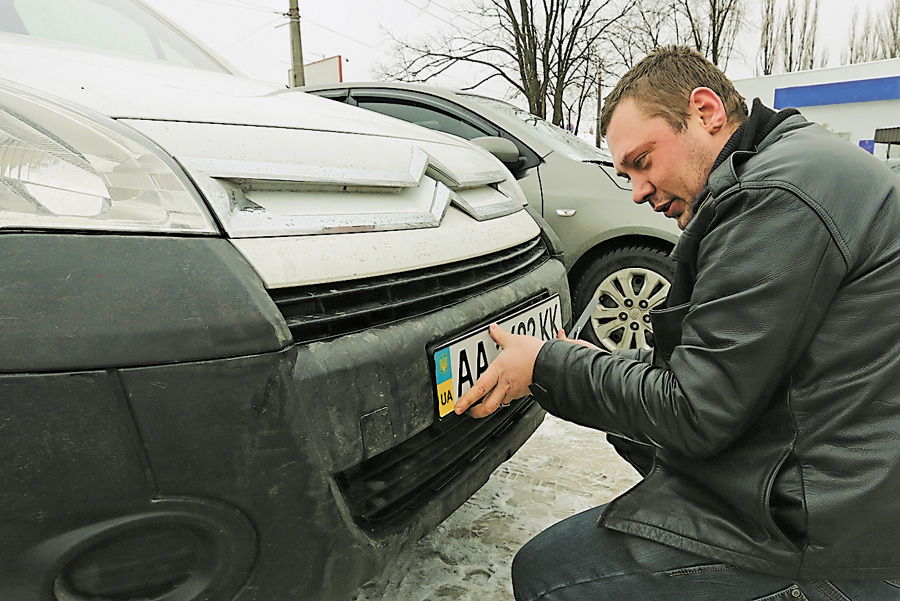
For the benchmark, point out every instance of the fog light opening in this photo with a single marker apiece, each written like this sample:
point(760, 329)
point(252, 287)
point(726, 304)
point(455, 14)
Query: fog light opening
point(146, 563)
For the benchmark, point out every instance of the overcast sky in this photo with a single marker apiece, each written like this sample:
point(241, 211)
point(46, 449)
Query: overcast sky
point(253, 34)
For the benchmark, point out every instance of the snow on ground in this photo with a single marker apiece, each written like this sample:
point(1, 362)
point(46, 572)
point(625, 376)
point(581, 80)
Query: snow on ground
point(562, 469)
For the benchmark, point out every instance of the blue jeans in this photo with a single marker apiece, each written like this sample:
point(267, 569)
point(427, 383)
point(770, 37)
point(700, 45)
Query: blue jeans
point(575, 560)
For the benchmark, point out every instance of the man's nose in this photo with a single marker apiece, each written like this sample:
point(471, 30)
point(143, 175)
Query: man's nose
point(641, 190)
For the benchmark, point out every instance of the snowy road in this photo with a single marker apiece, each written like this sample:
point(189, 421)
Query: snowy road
point(561, 470)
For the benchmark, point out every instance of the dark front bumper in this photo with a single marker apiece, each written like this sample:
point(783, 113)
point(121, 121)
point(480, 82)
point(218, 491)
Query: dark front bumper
point(249, 456)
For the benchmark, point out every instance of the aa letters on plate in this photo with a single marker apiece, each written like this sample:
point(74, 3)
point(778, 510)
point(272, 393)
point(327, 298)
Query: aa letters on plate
point(458, 365)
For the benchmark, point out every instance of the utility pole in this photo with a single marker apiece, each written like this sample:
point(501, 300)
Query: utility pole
point(298, 78)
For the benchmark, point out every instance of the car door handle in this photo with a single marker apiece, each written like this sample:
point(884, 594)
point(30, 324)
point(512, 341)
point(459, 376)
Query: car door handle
point(566, 212)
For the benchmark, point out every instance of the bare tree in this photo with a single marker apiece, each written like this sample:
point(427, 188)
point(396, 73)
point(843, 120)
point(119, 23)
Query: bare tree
point(574, 50)
point(583, 86)
point(786, 34)
point(862, 45)
point(875, 37)
point(537, 48)
point(598, 138)
point(714, 26)
point(888, 30)
point(709, 26)
point(797, 39)
point(767, 42)
point(650, 24)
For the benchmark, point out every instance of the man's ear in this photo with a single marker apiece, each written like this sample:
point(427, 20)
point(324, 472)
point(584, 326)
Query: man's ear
point(709, 109)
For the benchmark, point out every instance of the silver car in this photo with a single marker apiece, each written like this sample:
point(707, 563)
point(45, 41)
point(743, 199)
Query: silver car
point(616, 252)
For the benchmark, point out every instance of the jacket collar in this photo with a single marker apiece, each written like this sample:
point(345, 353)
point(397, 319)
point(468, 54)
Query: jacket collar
point(747, 140)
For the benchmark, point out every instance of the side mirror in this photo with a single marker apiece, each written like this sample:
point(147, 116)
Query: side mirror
point(503, 149)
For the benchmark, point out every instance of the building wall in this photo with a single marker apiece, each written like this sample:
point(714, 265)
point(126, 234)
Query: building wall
point(852, 101)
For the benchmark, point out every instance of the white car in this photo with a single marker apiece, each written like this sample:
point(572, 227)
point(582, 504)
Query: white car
point(235, 320)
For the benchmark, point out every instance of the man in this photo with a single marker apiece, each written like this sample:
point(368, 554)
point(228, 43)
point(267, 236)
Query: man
point(768, 414)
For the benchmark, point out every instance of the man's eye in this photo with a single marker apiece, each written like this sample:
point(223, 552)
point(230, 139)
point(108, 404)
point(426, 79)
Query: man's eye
point(625, 176)
point(640, 162)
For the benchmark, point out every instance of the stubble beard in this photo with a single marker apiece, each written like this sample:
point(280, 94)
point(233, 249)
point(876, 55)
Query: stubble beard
point(701, 160)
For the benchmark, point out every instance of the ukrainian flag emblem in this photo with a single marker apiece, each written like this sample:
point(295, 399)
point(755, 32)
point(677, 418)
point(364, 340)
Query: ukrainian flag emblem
point(443, 370)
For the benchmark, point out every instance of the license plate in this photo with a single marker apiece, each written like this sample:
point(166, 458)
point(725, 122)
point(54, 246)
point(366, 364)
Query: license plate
point(459, 364)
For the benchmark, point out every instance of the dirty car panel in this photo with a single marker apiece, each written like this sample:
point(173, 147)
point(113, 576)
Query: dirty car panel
point(275, 468)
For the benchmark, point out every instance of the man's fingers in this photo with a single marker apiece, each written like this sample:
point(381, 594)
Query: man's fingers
point(481, 387)
point(561, 335)
point(480, 410)
point(496, 397)
point(507, 377)
point(498, 334)
point(499, 395)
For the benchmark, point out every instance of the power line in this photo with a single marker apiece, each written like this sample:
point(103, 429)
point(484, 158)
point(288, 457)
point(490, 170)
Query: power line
point(430, 14)
point(255, 31)
point(250, 5)
point(368, 46)
point(306, 20)
point(242, 4)
point(246, 5)
point(449, 10)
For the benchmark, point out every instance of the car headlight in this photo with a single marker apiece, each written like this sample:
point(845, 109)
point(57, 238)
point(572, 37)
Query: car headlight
point(61, 168)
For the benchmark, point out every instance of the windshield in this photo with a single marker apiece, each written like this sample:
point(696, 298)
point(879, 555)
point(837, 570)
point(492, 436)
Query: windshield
point(555, 137)
point(123, 26)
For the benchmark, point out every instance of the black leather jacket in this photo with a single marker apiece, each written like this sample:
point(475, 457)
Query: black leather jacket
point(772, 401)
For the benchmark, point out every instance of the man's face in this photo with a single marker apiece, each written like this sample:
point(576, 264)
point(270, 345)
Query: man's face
point(667, 168)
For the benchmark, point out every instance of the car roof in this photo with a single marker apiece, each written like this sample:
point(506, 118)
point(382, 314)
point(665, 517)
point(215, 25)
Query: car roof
point(505, 121)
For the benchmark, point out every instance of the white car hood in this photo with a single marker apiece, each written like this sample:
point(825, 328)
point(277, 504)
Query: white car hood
point(281, 167)
point(126, 87)
point(225, 127)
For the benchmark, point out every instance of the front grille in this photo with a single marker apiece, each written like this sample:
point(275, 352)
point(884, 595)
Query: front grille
point(328, 310)
point(391, 484)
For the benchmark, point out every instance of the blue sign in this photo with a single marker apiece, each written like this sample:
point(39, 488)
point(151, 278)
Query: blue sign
point(841, 92)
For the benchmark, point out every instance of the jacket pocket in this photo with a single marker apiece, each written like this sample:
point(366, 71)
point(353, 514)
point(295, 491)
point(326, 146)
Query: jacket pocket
point(705, 568)
point(784, 501)
point(667, 328)
point(791, 593)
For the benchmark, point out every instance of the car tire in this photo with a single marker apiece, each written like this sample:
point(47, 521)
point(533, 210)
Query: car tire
point(628, 282)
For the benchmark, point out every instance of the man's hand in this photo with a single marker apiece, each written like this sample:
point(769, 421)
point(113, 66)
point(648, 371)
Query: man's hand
point(507, 378)
point(561, 335)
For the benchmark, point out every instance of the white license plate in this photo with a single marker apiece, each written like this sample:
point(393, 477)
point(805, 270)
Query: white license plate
point(459, 364)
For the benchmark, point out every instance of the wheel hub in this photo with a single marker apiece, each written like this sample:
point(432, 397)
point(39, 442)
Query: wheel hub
point(621, 319)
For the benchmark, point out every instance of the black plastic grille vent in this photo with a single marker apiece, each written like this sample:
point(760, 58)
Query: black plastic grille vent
point(391, 484)
point(328, 310)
